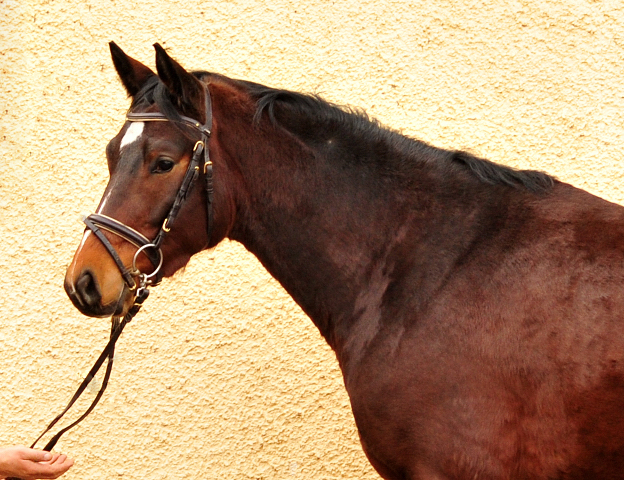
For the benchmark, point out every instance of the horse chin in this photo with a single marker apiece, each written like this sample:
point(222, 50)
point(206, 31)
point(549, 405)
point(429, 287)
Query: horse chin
point(118, 307)
point(102, 311)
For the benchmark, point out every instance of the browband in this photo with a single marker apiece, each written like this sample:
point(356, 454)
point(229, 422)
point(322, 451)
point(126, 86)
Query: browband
point(159, 117)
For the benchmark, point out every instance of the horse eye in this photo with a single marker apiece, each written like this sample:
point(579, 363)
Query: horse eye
point(163, 165)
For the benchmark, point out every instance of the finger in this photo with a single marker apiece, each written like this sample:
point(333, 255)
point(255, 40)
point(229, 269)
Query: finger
point(60, 458)
point(60, 467)
point(52, 460)
point(34, 455)
point(63, 462)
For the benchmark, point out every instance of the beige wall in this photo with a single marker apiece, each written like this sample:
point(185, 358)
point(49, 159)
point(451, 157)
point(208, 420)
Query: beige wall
point(222, 376)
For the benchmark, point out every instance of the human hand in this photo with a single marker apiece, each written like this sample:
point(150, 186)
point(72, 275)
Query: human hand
point(30, 464)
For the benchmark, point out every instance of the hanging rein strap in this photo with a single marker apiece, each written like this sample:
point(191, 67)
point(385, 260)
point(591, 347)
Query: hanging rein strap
point(117, 326)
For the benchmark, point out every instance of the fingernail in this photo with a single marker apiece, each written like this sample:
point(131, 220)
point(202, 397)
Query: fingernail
point(47, 456)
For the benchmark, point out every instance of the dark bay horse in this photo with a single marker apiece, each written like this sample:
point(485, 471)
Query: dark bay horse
point(476, 311)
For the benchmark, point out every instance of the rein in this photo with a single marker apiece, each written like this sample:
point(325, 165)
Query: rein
point(135, 280)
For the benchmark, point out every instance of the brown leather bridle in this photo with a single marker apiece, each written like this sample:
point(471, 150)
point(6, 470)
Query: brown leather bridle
point(136, 281)
point(200, 160)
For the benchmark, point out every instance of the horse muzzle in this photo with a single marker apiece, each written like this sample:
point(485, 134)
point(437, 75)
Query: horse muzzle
point(98, 282)
point(89, 298)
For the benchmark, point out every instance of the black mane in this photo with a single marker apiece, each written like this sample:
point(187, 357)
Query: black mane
point(288, 108)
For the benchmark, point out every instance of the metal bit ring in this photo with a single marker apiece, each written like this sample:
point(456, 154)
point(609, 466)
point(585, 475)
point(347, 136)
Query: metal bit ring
point(136, 254)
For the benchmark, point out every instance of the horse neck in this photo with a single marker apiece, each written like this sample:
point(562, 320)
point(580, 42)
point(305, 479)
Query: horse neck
point(335, 237)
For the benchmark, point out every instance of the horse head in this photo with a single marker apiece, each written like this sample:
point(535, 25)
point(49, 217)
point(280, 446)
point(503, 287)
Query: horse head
point(155, 169)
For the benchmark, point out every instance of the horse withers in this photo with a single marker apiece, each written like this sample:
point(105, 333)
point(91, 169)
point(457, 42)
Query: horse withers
point(476, 311)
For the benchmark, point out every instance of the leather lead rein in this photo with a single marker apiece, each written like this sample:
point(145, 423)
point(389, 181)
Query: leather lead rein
point(117, 326)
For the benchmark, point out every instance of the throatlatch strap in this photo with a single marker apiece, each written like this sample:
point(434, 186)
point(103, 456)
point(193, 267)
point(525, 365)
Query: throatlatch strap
point(209, 193)
point(208, 165)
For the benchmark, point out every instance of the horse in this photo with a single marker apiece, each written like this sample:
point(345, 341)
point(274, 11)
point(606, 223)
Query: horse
point(476, 311)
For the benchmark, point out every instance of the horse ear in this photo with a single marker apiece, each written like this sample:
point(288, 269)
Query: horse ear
point(184, 87)
point(133, 74)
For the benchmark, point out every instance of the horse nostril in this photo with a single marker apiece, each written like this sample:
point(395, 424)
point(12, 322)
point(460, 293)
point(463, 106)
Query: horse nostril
point(87, 290)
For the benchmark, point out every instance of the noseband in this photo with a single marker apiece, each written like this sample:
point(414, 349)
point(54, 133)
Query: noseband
point(199, 160)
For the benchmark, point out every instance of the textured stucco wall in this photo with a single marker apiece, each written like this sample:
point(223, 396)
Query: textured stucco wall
point(221, 375)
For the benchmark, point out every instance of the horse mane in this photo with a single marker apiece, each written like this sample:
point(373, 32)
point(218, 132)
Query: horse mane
point(288, 104)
